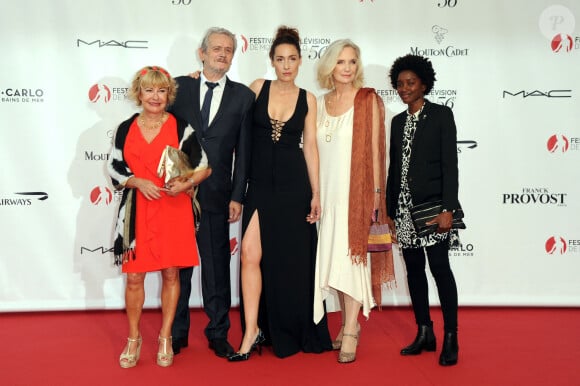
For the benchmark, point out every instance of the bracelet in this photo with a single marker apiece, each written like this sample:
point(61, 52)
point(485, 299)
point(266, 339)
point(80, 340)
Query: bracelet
point(377, 190)
point(192, 182)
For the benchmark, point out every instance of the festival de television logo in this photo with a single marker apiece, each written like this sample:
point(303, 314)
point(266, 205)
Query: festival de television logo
point(99, 92)
point(562, 43)
point(101, 195)
point(558, 143)
point(102, 93)
point(311, 47)
point(234, 245)
point(445, 97)
point(244, 45)
point(556, 244)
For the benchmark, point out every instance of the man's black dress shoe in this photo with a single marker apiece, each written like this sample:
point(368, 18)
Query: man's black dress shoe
point(178, 344)
point(221, 347)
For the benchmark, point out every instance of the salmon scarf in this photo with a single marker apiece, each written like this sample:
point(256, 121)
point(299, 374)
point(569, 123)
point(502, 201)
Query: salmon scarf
point(362, 189)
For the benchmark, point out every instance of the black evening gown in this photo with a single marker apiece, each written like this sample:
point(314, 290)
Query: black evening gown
point(279, 191)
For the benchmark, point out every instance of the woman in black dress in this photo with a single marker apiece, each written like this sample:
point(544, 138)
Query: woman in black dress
point(281, 208)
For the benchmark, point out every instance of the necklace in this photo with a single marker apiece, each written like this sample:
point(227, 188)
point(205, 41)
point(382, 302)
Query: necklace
point(329, 129)
point(333, 107)
point(152, 125)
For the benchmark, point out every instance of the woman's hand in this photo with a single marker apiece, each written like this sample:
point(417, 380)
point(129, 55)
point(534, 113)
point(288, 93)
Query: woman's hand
point(195, 74)
point(235, 211)
point(177, 185)
point(147, 188)
point(315, 210)
point(444, 220)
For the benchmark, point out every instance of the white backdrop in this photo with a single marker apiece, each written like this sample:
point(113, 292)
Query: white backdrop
point(509, 70)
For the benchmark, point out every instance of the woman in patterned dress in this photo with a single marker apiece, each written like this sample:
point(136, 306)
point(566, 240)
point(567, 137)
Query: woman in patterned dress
point(423, 168)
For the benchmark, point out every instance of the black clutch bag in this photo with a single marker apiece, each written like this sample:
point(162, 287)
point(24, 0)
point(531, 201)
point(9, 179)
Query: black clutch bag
point(427, 211)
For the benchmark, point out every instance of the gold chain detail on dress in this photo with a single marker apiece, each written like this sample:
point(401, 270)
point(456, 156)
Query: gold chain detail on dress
point(277, 127)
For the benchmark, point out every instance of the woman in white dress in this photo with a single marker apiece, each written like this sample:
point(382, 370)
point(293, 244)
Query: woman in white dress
point(351, 143)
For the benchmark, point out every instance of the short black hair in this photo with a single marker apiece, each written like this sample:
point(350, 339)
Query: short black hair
point(421, 66)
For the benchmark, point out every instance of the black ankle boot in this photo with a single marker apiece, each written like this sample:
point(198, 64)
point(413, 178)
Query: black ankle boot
point(450, 349)
point(425, 340)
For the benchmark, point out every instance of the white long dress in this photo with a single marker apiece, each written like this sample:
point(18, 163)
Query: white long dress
point(334, 269)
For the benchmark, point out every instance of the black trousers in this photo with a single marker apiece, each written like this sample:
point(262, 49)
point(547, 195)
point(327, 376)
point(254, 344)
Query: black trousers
point(213, 242)
point(417, 280)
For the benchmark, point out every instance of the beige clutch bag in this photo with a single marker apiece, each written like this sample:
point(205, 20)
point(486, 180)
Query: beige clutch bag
point(174, 163)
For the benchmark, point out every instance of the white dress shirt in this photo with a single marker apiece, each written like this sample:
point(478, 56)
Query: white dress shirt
point(216, 99)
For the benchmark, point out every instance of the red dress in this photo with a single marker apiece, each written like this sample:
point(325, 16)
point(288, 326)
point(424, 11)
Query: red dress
point(164, 228)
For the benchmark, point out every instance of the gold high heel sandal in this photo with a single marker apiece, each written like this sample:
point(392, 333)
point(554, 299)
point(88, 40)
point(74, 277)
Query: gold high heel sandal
point(337, 344)
point(164, 358)
point(348, 357)
point(127, 360)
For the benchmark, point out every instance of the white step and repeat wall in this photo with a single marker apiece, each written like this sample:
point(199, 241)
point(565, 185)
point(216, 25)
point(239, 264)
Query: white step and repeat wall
point(510, 70)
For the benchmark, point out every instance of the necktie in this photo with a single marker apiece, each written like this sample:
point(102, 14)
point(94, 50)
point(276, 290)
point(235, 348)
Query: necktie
point(206, 105)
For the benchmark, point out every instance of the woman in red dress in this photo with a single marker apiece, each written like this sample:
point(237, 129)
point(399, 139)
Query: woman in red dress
point(155, 229)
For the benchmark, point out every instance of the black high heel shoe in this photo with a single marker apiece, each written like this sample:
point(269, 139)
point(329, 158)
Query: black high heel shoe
point(257, 345)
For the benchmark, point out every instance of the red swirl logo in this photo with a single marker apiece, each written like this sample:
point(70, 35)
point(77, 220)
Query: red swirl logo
point(562, 42)
point(101, 195)
point(558, 143)
point(99, 92)
point(556, 244)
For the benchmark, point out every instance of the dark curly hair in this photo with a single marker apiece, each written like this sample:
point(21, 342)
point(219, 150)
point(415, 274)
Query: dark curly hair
point(286, 35)
point(421, 66)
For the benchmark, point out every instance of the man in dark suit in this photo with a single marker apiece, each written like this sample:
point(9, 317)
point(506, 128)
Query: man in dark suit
point(223, 126)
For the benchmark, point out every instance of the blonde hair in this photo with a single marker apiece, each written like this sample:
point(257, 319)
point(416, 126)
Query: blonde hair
point(152, 76)
point(327, 63)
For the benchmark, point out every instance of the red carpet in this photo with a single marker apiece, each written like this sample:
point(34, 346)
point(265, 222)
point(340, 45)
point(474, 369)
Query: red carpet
point(498, 346)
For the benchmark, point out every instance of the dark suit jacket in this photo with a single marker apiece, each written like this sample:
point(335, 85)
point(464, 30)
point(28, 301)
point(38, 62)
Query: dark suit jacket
point(433, 173)
point(229, 133)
